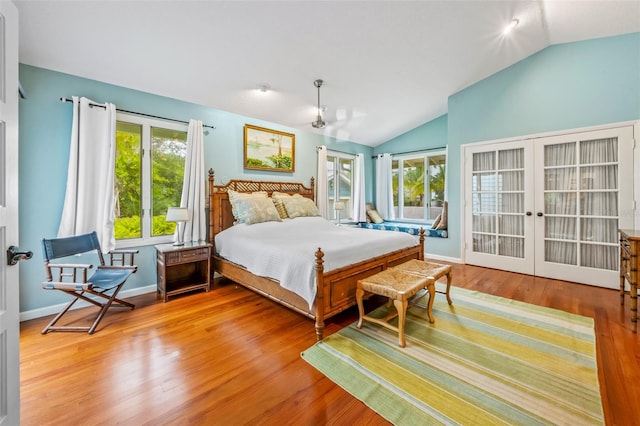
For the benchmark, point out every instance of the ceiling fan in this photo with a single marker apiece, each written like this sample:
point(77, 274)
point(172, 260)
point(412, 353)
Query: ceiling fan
point(319, 123)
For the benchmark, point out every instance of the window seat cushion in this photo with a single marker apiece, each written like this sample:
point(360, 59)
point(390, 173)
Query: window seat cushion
point(411, 228)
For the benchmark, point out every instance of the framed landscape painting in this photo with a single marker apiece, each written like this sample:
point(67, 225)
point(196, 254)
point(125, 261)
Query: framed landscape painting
point(266, 149)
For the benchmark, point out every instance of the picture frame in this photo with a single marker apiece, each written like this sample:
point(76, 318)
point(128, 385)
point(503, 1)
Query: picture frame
point(270, 150)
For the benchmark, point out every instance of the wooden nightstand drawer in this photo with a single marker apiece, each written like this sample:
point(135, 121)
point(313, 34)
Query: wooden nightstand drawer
point(191, 255)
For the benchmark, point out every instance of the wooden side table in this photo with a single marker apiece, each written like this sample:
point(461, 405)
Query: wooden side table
point(183, 268)
point(629, 249)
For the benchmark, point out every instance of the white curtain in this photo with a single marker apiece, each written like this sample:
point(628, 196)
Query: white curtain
point(384, 187)
point(322, 192)
point(193, 185)
point(89, 198)
point(359, 210)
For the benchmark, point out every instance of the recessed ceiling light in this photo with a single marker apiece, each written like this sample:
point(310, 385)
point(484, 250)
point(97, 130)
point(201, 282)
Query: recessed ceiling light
point(514, 23)
point(263, 87)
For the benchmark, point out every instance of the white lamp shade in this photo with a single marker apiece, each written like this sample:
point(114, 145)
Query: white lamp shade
point(177, 214)
point(339, 205)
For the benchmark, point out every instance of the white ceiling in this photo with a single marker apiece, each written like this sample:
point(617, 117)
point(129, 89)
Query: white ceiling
point(388, 66)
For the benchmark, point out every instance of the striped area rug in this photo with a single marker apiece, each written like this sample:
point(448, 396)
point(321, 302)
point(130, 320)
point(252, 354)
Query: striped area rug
point(485, 361)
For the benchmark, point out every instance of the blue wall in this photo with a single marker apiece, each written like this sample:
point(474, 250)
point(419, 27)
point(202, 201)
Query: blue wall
point(45, 132)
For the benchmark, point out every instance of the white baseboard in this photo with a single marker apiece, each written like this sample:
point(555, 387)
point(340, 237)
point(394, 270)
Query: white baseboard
point(443, 258)
point(54, 309)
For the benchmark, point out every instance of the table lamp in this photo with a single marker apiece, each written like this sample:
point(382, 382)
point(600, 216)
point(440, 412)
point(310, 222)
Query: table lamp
point(338, 206)
point(179, 215)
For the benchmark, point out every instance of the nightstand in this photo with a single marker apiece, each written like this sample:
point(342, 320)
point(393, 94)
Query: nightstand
point(183, 268)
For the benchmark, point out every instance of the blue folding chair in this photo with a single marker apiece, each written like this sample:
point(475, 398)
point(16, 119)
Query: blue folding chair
point(100, 289)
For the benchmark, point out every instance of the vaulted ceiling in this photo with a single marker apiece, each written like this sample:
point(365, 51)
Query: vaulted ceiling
point(388, 66)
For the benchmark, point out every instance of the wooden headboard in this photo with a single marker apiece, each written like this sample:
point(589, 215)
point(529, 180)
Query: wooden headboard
point(220, 215)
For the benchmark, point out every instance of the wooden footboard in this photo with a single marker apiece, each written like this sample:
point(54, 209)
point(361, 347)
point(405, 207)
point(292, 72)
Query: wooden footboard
point(336, 289)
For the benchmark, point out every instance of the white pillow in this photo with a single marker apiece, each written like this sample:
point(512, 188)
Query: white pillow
point(256, 210)
point(300, 206)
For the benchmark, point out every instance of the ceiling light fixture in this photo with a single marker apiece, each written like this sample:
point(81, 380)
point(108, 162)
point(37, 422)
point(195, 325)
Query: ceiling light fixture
point(514, 23)
point(264, 87)
point(319, 123)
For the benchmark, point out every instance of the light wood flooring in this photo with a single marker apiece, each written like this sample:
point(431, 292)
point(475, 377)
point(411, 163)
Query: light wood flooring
point(232, 357)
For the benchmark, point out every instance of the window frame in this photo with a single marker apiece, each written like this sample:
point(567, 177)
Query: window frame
point(425, 156)
point(146, 124)
point(337, 156)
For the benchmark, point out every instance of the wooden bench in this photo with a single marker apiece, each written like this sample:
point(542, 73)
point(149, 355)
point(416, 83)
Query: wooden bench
point(399, 284)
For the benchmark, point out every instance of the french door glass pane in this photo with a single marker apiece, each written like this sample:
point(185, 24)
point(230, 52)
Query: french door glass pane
point(560, 228)
point(562, 154)
point(510, 246)
point(599, 204)
point(511, 181)
point(511, 159)
point(484, 223)
point(560, 203)
point(484, 243)
point(599, 177)
point(511, 202)
point(511, 224)
point(483, 182)
point(484, 161)
point(560, 179)
point(561, 252)
point(599, 256)
point(599, 230)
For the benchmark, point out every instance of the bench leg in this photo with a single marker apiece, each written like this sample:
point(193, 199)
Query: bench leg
point(432, 295)
point(449, 279)
point(401, 307)
point(359, 296)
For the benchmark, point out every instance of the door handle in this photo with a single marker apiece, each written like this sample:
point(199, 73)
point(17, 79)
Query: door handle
point(539, 214)
point(528, 213)
point(13, 256)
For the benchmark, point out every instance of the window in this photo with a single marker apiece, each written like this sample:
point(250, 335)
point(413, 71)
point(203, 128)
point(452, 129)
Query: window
point(413, 176)
point(340, 178)
point(150, 157)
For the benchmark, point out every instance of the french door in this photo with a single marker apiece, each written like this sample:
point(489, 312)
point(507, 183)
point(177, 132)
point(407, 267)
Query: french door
point(551, 206)
point(9, 275)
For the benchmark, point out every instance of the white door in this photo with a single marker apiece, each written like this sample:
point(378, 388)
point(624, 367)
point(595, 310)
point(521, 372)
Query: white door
point(498, 206)
point(551, 206)
point(9, 303)
point(584, 193)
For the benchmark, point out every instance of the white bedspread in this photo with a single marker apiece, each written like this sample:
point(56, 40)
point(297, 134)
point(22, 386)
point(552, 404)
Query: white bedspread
point(285, 250)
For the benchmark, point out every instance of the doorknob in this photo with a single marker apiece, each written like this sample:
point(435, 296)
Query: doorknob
point(539, 214)
point(529, 213)
point(13, 256)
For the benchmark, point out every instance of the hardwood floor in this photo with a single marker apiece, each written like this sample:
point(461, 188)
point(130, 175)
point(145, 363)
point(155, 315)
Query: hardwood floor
point(232, 357)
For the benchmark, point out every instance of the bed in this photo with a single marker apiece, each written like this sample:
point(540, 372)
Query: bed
point(334, 287)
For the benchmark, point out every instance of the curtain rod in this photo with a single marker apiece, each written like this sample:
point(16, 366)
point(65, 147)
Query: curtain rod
point(411, 152)
point(63, 99)
point(339, 152)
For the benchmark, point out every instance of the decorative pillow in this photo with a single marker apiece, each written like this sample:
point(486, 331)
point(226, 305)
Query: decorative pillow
point(368, 206)
point(277, 194)
point(443, 216)
point(256, 210)
point(436, 222)
point(234, 196)
point(279, 204)
point(375, 216)
point(300, 206)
